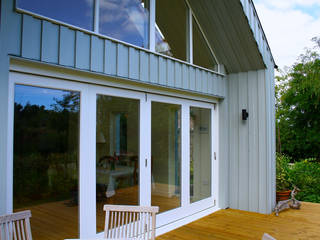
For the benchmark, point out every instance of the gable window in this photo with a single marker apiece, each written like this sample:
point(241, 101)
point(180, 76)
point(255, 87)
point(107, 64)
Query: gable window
point(75, 12)
point(202, 55)
point(125, 20)
point(171, 28)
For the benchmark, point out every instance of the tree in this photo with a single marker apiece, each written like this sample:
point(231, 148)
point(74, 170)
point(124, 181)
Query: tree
point(298, 107)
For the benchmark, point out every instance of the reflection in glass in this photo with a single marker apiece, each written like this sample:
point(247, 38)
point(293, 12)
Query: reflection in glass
point(125, 20)
point(171, 28)
point(75, 12)
point(165, 155)
point(200, 153)
point(201, 53)
point(46, 153)
point(117, 151)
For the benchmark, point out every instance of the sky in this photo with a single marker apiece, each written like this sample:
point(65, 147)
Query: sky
point(289, 26)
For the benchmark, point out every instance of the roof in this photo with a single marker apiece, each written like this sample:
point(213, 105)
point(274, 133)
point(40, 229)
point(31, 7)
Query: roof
point(230, 33)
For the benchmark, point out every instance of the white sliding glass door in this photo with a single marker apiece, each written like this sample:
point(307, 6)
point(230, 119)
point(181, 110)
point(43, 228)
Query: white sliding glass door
point(182, 156)
point(82, 146)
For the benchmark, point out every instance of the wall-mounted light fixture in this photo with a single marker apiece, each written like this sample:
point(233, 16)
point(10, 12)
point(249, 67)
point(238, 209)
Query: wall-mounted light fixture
point(245, 114)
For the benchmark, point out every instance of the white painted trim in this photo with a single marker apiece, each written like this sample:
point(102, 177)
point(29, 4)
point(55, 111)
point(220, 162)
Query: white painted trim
point(185, 155)
point(96, 16)
point(179, 223)
point(152, 24)
point(215, 148)
point(87, 166)
point(41, 69)
point(10, 146)
point(189, 36)
point(145, 152)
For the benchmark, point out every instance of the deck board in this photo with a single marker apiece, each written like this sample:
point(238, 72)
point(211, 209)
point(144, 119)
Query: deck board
point(236, 224)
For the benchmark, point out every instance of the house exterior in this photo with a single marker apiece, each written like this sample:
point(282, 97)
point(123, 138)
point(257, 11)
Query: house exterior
point(139, 102)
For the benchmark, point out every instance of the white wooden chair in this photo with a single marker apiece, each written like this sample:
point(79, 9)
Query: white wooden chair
point(15, 226)
point(130, 222)
point(266, 236)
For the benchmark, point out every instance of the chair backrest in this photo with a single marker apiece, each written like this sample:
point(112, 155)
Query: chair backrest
point(130, 222)
point(266, 236)
point(15, 226)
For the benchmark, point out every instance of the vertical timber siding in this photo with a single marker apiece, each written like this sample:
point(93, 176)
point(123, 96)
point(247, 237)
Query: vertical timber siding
point(48, 42)
point(252, 142)
point(251, 148)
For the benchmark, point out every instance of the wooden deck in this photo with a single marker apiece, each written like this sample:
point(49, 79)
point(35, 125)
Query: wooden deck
point(235, 224)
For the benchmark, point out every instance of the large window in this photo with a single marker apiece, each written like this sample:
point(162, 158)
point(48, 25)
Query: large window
point(202, 55)
point(75, 12)
point(171, 28)
point(165, 155)
point(117, 152)
point(46, 159)
point(200, 153)
point(125, 20)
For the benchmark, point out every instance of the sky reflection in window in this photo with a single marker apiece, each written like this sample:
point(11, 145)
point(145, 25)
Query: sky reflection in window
point(125, 20)
point(75, 12)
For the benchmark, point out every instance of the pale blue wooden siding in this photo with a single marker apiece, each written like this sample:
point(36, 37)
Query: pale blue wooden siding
point(97, 54)
point(48, 42)
point(251, 142)
point(31, 38)
point(67, 47)
point(83, 48)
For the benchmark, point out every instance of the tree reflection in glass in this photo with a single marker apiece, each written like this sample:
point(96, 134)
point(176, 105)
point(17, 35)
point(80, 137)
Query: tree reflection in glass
point(46, 153)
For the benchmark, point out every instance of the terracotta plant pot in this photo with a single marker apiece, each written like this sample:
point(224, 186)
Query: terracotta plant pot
point(283, 195)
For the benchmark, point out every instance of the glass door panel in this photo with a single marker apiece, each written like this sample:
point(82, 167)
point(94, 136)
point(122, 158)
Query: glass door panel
point(200, 154)
point(165, 155)
point(46, 159)
point(117, 153)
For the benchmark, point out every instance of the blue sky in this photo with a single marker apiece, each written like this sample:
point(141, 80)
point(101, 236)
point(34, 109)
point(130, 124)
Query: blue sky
point(289, 26)
point(37, 96)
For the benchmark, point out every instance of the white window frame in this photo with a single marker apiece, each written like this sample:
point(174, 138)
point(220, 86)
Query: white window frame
point(87, 147)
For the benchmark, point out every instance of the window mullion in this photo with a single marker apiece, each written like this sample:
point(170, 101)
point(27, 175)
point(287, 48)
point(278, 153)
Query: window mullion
point(152, 24)
point(189, 36)
point(96, 16)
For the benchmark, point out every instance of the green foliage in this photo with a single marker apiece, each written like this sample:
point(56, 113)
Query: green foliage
point(298, 108)
point(46, 151)
point(306, 176)
point(282, 177)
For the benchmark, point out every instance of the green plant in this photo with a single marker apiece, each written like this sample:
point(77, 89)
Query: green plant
point(306, 176)
point(282, 176)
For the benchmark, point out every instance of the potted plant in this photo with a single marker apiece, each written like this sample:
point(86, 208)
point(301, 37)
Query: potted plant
point(282, 177)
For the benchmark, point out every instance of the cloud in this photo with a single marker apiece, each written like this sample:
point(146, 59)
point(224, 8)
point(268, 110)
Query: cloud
point(289, 26)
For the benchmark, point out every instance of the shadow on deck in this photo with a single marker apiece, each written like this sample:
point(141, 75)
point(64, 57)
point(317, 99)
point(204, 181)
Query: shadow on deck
point(236, 224)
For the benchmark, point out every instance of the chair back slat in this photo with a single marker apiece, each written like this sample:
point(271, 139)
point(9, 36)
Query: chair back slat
point(15, 226)
point(123, 222)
